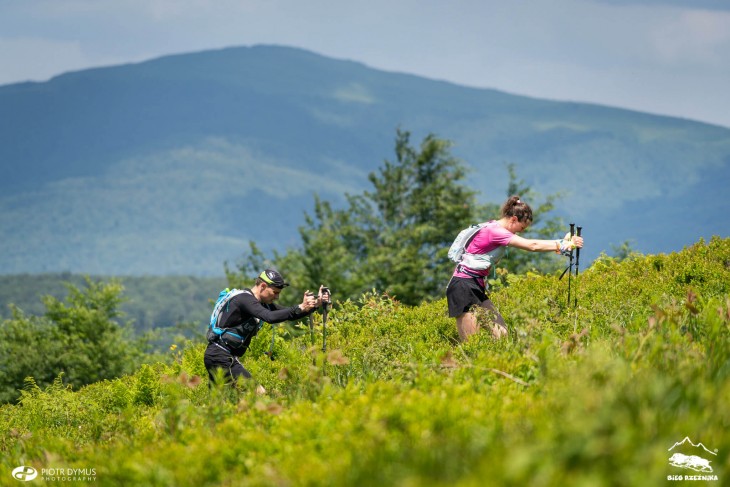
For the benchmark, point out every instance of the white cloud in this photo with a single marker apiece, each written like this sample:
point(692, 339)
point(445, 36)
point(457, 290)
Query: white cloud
point(693, 37)
point(33, 59)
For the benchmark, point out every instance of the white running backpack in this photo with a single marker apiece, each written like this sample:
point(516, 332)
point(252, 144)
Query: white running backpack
point(478, 262)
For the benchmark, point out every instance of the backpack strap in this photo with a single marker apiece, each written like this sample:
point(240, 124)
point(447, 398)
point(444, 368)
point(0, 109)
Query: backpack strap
point(477, 229)
point(468, 272)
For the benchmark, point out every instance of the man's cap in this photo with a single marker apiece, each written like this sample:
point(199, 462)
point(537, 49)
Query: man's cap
point(273, 278)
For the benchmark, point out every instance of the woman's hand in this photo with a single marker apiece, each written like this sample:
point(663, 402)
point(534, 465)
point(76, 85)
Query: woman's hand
point(575, 240)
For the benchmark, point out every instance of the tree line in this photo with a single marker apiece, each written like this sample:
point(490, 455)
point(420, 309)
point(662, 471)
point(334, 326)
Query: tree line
point(149, 302)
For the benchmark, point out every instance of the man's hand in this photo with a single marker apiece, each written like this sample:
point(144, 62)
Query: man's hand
point(324, 295)
point(309, 302)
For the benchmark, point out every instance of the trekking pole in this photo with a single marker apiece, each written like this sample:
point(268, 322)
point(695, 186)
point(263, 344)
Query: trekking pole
point(270, 353)
point(325, 311)
point(324, 326)
point(569, 269)
point(570, 265)
point(311, 330)
point(577, 265)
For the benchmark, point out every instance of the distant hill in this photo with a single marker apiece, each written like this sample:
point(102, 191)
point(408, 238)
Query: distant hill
point(149, 302)
point(171, 166)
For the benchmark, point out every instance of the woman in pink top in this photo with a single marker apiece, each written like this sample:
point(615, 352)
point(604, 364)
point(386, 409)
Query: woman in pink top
point(467, 286)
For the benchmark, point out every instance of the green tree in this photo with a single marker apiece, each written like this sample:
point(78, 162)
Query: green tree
point(80, 338)
point(419, 203)
point(395, 237)
point(623, 251)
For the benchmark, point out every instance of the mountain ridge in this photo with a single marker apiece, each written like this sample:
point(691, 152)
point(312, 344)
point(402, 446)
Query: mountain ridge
point(171, 165)
point(687, 439)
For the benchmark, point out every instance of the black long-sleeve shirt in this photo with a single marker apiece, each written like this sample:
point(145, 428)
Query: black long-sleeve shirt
point(245, 314)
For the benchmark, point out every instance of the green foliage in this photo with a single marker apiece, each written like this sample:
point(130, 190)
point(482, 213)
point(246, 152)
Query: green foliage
point(593, 395)
point(80, 339)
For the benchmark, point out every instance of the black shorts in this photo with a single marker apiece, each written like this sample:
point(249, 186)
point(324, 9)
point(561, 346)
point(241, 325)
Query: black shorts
point(217, 357)
point(462, 294)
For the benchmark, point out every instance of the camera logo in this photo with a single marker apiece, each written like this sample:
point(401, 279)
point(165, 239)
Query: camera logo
point(24, 473)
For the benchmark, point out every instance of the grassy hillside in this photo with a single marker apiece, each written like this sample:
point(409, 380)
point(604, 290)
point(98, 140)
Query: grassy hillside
point(597, 395)
point(171, 166)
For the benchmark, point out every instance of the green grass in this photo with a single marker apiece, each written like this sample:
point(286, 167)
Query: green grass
point(587, 396)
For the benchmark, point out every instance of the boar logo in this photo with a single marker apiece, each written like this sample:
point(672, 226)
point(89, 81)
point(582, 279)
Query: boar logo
point(691, 458)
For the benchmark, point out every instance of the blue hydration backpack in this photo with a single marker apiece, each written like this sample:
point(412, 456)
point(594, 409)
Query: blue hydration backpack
point(226, 335)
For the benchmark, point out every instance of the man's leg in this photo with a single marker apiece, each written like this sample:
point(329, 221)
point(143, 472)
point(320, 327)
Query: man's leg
point(217, 358)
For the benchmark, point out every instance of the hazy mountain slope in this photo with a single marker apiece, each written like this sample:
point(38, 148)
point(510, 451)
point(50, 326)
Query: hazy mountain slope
point(172, 165)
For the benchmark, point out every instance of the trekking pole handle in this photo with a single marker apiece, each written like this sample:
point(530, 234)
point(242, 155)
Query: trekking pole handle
point(572, 234)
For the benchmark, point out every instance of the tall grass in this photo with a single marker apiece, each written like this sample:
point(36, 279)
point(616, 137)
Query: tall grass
point(593, 395)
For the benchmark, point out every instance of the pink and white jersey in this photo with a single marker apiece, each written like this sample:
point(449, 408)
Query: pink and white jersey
point(491, 240)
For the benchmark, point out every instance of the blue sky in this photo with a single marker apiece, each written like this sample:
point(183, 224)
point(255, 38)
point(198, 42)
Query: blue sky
point(669, 57)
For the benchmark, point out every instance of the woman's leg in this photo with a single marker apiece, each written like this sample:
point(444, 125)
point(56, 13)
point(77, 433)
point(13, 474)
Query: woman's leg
point(498, 326)
point(467, 324)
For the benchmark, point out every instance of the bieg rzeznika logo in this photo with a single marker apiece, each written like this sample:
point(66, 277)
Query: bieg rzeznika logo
point(691, 461)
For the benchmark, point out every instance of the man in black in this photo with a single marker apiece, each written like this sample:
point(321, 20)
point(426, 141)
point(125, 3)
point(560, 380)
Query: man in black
point(241, 318)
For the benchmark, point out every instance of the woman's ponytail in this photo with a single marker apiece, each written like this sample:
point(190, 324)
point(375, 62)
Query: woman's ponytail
point(514, 206)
